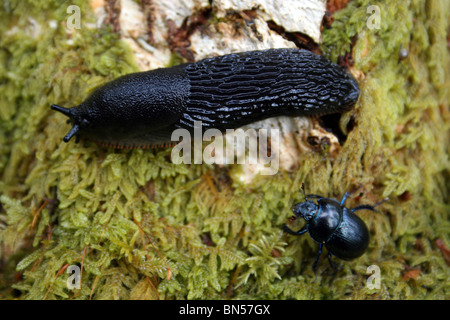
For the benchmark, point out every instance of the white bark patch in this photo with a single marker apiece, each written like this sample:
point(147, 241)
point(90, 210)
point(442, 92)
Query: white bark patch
point(303, 16)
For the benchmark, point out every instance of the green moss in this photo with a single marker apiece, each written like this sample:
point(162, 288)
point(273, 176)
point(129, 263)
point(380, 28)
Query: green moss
point(144, 228)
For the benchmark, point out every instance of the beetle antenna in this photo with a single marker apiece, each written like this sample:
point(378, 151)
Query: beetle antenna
point(303, 190)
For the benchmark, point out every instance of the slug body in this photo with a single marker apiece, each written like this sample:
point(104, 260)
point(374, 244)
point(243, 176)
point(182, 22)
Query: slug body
point(226, 92)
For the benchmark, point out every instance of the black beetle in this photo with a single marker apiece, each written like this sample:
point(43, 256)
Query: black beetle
point(330, 223)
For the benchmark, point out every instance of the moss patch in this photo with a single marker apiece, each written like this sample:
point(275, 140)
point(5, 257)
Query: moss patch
point(141, 227)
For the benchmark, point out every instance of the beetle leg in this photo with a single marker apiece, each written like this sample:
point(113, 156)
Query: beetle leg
point(369, 207)
point(332, 264)
point(365, 207)
point(295, 233)
point(317, 259)
point(314, 196)
point(346, 195)
point(381, 202)
point(309, 195)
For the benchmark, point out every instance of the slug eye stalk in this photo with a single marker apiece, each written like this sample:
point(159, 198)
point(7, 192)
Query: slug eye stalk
point(75, 129)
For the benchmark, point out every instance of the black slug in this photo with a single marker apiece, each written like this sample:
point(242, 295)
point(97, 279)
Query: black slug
point(226, 92)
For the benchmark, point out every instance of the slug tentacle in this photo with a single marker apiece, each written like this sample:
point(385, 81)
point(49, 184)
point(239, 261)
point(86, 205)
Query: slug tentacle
point(65, 111)
point(142, 109)
point(74, 131)
point(68, 112)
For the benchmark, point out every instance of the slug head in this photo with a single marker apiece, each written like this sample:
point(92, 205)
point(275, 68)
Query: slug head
point(78, 122)
point(134, 107)
point(94, 120)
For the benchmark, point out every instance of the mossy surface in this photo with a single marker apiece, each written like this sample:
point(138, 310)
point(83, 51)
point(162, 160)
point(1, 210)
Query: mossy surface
point(141, 227)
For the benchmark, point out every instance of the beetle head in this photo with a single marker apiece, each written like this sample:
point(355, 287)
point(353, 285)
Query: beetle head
point(305, 210)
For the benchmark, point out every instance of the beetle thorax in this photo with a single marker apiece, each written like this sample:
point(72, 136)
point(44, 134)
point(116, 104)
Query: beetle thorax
point(325, 222)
